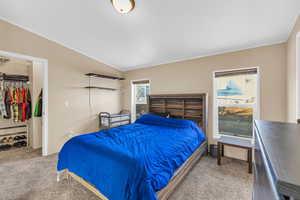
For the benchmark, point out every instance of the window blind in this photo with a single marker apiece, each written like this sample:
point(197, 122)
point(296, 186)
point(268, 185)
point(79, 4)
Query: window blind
point(141, 82)
point(236, 72)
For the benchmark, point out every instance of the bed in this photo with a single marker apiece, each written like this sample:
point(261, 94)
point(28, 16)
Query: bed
point(143, 160)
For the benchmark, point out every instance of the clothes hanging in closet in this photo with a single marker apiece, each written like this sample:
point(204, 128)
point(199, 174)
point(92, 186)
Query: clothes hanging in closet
point(7, 101)
point(28, 106)
point(2, 103)
point(15, 103)
point(39, 106)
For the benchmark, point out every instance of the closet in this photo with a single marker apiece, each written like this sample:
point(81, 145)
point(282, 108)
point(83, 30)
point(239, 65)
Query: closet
point(15, 110)
point(20, 126)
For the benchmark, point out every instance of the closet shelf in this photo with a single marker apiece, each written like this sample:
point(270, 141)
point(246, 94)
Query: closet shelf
point(13, 141)
point(100, 88)
point(10, 127)
point(11, 134)
point(104, 76)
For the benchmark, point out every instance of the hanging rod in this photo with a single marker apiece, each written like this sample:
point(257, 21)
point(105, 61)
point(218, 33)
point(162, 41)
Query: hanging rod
point(22, 78)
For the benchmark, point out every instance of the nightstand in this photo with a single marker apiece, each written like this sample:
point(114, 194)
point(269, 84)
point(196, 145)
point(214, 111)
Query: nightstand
point(235, 142)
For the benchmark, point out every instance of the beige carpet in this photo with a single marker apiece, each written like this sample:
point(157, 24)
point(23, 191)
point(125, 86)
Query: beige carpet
point(28, 176)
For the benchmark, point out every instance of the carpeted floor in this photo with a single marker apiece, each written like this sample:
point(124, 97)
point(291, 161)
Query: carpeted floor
point(28, 176)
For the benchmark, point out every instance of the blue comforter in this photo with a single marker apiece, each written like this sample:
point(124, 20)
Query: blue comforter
point(135, 161)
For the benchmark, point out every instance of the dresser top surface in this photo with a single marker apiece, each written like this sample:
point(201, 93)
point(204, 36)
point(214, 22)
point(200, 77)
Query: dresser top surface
point(281, 143)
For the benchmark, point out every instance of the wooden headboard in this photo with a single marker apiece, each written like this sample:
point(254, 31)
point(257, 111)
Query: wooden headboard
point(183, 106)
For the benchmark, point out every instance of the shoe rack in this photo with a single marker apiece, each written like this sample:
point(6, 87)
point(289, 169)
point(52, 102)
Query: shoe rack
point(13, 137)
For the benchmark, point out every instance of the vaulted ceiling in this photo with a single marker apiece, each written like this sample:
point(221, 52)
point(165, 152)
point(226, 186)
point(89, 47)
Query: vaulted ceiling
point(156, 31)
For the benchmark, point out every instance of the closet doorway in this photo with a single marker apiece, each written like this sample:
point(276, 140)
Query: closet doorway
point(24, 104)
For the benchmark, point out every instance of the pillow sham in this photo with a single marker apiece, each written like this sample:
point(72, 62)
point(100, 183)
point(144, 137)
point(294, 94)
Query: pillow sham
point(167, 115)
point(162, 121)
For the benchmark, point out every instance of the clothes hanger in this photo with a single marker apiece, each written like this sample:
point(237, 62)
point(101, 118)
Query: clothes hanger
point(2, 85)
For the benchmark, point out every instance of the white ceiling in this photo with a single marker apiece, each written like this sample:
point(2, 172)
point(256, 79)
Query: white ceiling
point(156, 31)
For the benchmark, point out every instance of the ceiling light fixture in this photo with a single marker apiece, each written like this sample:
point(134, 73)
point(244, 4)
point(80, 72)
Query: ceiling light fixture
point(123, 6)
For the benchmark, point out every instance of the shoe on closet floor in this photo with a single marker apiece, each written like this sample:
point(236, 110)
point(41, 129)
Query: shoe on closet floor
point(24, 143)
point(10, 139)
point(3, 140)
point(5, 147)
point(18, 144)
point(22, 137)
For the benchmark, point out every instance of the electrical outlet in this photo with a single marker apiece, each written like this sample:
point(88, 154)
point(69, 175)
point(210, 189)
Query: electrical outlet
point(70, 134)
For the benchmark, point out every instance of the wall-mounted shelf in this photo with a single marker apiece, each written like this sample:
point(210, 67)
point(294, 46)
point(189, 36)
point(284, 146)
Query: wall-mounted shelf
point(104, 76)
point(100, 88)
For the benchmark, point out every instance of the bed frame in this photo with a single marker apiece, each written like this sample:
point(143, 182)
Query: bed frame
point(184, 106)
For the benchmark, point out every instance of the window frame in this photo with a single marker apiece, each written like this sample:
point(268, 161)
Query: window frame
point(146, 100)
point(132, 100)
point(256, 114)
point(297, 77)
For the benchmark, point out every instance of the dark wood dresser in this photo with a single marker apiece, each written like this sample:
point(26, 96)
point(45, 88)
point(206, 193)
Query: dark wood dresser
point(277, 161)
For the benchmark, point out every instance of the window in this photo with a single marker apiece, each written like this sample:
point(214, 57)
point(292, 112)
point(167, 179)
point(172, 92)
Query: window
point(140, 92)
point(235, 102)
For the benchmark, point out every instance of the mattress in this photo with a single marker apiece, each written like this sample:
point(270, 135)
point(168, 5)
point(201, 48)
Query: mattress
point(132, 162)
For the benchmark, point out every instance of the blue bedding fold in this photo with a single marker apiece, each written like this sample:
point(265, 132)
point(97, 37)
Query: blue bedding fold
point(135, 161)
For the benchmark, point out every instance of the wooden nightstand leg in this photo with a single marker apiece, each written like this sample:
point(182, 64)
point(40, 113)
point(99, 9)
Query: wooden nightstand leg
point(219, 153)
point(250, 161)
point(222, 150)
point(248, 156)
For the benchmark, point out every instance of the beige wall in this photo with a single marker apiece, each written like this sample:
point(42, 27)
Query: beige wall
point(15, 67)
point(291, 73)
point(195, 76)
point(69, 108)
point(36, 77)
point(71, 112)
